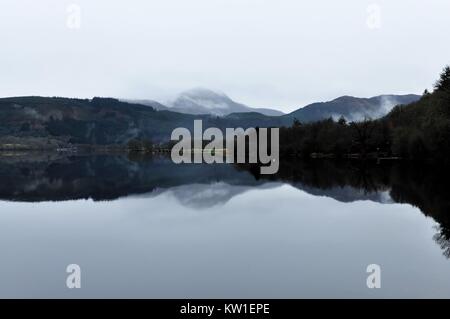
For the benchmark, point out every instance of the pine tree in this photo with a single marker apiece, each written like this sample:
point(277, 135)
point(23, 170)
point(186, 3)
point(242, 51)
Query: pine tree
point(443, 84)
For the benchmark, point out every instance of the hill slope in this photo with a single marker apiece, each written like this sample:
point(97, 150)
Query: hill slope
point(352, 108)
point(203, 101)
point(96, 121)
point(417, 131)
point(101, 121)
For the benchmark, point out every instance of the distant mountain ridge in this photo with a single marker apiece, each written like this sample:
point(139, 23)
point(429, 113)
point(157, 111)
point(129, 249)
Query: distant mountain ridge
point(152, 103)
point(352, 108)
point(203, 101)
point(49, 122)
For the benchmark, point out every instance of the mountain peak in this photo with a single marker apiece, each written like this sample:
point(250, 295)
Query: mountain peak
point(345, 98)
point(205, 101)
point(203, 93)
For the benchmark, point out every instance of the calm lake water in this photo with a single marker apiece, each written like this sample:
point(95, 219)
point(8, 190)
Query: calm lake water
point(147, 228)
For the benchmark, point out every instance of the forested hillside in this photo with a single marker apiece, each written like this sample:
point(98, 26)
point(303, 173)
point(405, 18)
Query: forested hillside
point(420, 130)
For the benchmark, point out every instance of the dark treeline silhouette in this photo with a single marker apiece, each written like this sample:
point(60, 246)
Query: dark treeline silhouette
point(418, 131)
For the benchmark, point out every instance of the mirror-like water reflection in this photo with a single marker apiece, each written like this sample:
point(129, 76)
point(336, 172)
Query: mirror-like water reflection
point(145, 227)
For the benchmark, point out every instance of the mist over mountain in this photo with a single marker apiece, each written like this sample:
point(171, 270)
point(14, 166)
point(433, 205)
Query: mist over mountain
point(44, 122)
point(204, 101)
point(352, 108)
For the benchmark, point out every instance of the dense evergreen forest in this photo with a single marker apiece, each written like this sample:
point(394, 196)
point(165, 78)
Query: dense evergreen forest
point(418, 131)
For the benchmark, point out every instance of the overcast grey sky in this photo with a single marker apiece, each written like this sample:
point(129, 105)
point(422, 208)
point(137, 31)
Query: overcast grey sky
point(267, 53)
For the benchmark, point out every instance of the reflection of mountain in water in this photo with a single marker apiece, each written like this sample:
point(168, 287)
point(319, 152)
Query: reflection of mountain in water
point(203, 196)
point(347, 194)
point(104, 177)
point(110, 177)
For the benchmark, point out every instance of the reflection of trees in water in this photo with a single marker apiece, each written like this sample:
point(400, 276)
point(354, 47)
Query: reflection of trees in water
point(427, 189)
point(111, 177)
point(442, 238)
point(423, 186)
point(105, 177)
